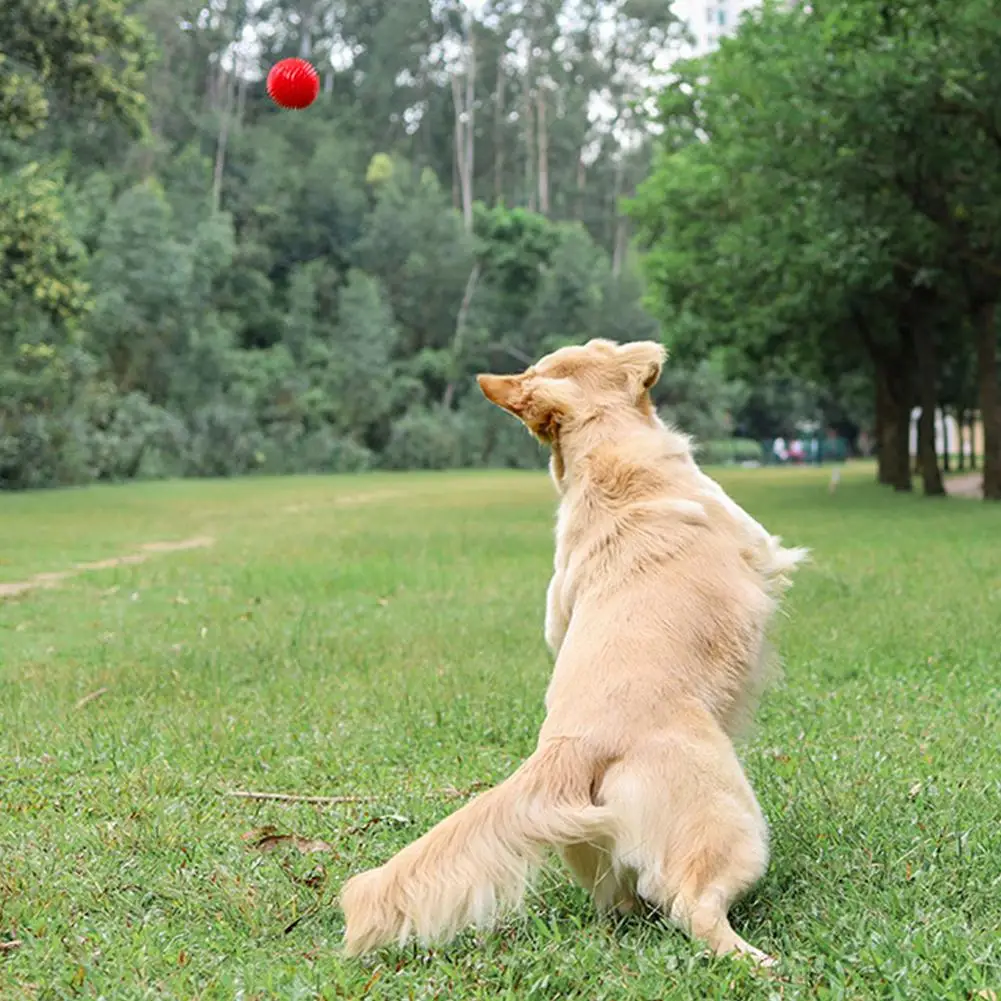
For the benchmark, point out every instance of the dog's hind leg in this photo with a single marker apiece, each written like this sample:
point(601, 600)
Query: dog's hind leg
point(696, 837)
point(723, 853)
point(591, 865)
point(701, 910)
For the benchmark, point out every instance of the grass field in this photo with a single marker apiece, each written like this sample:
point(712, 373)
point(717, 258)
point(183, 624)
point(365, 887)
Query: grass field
point(381, 638)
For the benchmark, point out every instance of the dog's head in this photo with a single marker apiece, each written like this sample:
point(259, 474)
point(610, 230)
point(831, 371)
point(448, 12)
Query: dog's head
point(573, 385)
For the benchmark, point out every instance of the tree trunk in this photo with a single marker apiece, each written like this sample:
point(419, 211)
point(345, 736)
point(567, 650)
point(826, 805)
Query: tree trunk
point(931, 475)
point(581, 185)
point(528, 126)
point(893, 430)
point(617, 187)
point(621, 248)
point(469, 159)
point(971, 428)
point(463, 101)
point(990, 398)
point(961, 428)
point(460, 330)
point(499, 135)
point(241, 101)
point(543, 147)
point(222, 140)
point(924, 343)
point(946, 443)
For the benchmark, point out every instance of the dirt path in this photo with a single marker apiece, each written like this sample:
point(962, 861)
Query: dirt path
point(14, 589)
point(970, 485)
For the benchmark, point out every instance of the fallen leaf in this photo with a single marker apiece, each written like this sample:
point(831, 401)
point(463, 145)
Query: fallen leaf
point(371, 981)
point(914, 790)
point(987, 995)
point(314, 879)
point(90, 698)
point(14, 943)
point(267, 839)
point(386, 818)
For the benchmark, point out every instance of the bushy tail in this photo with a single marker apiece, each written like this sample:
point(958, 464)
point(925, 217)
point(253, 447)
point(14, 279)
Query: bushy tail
point(478, 862)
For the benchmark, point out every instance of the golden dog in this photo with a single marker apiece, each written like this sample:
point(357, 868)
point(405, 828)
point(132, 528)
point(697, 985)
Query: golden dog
point(656, 614)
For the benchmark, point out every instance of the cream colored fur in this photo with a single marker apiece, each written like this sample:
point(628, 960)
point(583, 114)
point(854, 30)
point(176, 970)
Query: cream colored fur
point(656, 614)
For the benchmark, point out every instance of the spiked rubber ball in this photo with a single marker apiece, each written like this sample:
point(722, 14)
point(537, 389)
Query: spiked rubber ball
point(293, 83)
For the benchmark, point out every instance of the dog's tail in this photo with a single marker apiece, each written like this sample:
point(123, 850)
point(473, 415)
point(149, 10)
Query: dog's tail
point(478, 862)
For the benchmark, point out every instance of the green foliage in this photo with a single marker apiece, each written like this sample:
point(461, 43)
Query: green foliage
point(241, 290)
point(826, 201)
point(425, 439)
point(699, 400)
point(40, 259)
point(730, 451)
point(83, 53)
point(89, 51)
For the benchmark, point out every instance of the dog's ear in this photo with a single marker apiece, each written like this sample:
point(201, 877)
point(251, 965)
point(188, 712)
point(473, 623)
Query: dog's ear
point(643, 362)
point(507, 391)
point(532, 399)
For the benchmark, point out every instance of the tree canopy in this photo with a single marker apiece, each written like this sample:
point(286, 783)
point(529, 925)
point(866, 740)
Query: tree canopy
point(825, 199)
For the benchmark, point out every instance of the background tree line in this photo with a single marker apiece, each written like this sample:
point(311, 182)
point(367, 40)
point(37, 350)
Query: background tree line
point(193, 282)
point(826, 199)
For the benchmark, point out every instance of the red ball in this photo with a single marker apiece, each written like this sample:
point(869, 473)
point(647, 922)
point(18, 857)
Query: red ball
point(293, 83)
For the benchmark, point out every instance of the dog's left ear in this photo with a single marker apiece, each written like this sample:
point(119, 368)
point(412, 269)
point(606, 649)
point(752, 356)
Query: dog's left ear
point(506, 391)
point(643, 361)
point(534, 401)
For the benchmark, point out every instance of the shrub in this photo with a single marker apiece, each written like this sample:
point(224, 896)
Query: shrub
point(492, 438)
point(325, 451)
point(728, 451)
point(225, 441)
point(425, 439)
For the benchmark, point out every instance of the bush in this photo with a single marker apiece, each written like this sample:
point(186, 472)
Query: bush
point(225, 441)
point(43, 450)
point(491, 438)
point(728, 451)
point(425, 439)
point(325, 451)
point(132, 437)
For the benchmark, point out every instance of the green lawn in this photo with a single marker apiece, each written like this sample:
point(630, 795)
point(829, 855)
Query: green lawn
point(381, 637)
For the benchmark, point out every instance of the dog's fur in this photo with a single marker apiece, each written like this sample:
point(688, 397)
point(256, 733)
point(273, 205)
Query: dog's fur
point(656, 614)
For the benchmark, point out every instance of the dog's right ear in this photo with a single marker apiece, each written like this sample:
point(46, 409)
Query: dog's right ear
point(643, 361)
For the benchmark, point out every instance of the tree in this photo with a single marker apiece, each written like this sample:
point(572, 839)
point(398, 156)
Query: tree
point(808, 202)
point(86, 54)
point(278, 292)
point(89, 51)
point(359, 375)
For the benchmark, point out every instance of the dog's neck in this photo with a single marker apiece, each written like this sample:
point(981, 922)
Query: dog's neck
point(575, 444)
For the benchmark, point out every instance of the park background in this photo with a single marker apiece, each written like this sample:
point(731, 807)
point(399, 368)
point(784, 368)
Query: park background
point(203, 298)
point(193, 282)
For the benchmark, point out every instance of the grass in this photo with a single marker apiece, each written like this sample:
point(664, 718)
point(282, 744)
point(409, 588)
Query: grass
point(381, 637)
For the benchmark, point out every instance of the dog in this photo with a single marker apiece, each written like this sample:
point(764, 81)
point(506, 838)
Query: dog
point(656, 614)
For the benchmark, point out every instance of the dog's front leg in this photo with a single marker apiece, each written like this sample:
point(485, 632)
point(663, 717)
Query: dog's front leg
point(557, 619)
